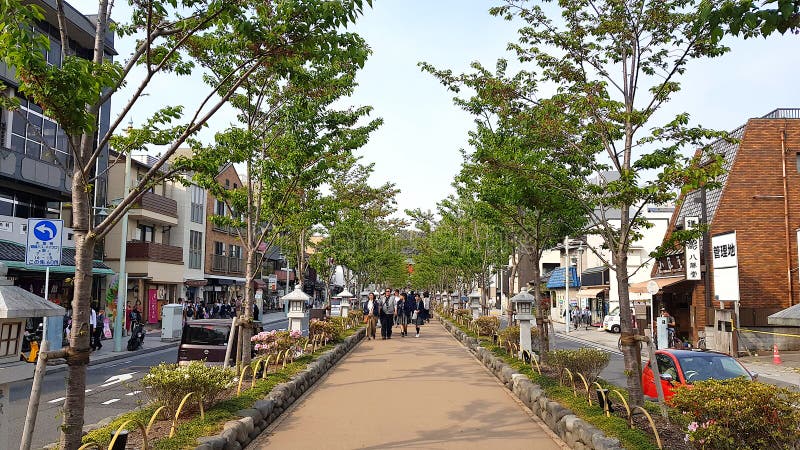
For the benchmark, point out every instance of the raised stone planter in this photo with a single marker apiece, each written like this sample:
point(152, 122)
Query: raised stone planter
point(237, 434)
point(574, 431)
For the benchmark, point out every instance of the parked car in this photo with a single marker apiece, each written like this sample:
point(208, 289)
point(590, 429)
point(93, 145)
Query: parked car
point(611, 321)
point(684, 367)
point(204, 339)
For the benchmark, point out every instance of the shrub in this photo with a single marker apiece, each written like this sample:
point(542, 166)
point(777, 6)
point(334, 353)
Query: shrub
point(323, 328)
point(356, 314)
point(589, 362)
point(511, 334)
point(463, 313)
point(167, 384)
point(487, 325)
point(739, 414)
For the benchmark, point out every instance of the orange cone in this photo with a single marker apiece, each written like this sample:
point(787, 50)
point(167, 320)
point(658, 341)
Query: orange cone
point(776, 357)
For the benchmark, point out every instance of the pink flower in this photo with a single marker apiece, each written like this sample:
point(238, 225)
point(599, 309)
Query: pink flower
point(693, 426)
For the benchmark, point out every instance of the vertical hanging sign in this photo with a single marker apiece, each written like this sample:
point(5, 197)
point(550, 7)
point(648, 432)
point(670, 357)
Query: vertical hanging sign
point(726, 266)
point(692, 248)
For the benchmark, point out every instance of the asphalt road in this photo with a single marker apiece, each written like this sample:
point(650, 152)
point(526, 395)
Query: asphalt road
point(112, 388)
point(614, 372)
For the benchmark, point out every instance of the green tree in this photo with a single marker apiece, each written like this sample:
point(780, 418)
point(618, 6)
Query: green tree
point(167, 39)
point(615, 64)
point(749, 18)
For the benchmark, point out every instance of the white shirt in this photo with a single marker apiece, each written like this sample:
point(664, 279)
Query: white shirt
point(93, 319)
point(370, 306)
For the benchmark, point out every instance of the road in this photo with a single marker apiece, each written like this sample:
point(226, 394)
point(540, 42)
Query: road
point(112, 388)
point(614, 372)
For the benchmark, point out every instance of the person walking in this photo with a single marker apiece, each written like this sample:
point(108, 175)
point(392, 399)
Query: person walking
point(99, 329)
point(388, 313)
point(371, 312)
point(92, 327)
point(402, 313)
point(418, 316)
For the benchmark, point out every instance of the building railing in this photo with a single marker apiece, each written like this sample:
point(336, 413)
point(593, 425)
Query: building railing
point(236, 265)
point(151, 251)
point(222, 263)
point(783, 113)
point(151, 201)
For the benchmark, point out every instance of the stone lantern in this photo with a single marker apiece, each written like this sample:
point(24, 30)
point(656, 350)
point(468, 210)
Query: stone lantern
point(363, 297)
point(475, 303)
point(445, 299)
point(16, 306)
point(296, 302)
point(456, 300)
point(523, 305)
point(345, 295)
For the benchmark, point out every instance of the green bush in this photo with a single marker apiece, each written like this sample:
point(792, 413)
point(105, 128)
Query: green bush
point(356, 314)
point(323, 328)
point(511, 334)
point(463, 313)
point(487, 325)
point(739, 414)
point(589, 362)
point(167, 384)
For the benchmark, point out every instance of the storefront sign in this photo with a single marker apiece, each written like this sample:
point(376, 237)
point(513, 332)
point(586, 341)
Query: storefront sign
point(669, 265)
point(726, 266)
point(692, 248)
point(152, 306)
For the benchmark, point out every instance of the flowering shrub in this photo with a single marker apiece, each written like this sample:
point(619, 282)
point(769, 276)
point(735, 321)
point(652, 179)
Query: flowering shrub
point(324, 329)
point(356, 314)
point(488, 325)
point(739, 414)
point(275, 341)
point(167, 384)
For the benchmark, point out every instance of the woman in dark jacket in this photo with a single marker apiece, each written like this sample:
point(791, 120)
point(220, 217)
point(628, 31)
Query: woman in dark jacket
point(419, 314)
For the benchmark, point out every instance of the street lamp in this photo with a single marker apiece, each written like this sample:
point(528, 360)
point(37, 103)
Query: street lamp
point(345, 295)
point(523, 304)
point(475, 303)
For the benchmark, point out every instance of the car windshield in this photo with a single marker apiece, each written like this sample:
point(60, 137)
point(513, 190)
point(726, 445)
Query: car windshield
point(205, 335)
point(707, 366)
point(614, 312)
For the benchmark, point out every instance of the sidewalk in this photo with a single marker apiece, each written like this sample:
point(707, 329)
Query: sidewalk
point(786, 374)
point(408, 393)
point(152, 343)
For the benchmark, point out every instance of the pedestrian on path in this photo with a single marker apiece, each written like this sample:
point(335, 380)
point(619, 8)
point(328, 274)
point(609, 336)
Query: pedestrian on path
point(402, 313)
point(419, 314)
point(388, 313)
point(371, 312)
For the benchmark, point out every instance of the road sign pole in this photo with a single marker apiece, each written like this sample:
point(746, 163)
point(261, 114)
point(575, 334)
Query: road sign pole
point(46, 297)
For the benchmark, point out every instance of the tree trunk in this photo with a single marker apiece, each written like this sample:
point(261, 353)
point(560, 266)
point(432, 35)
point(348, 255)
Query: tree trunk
point(246, 316)
point(78, 351)
point(630, 348)
point(544, 337)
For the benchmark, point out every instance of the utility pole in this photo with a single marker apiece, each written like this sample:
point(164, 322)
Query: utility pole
point(122, 282)
point(566, 286)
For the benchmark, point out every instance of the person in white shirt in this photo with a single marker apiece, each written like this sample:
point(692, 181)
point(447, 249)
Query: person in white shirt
point(371, 313)
point(92, 326)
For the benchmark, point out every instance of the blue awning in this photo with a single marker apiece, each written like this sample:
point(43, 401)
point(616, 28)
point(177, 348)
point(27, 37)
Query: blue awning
point(556, 280)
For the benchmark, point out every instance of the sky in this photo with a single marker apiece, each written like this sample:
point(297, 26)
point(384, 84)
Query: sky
point(417, 148)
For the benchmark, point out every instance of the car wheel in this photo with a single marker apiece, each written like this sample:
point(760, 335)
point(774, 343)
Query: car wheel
point(615, 329)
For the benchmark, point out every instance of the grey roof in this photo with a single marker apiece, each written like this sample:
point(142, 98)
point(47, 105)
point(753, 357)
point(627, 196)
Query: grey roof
point(296, 294)
point(789, 317)
point(523, 296)
point(691, 204)
point(11, 251)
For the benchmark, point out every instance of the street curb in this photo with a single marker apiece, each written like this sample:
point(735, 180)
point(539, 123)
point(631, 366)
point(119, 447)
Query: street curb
point(125, 354)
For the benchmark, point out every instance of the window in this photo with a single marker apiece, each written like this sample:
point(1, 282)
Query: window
point(219, 248)
point(9, 339)
point(198, 196)
point(145, 233)
point(30, 128)
point(236, 252)
point(219, 208)
point(195, 249)
point(666, 366)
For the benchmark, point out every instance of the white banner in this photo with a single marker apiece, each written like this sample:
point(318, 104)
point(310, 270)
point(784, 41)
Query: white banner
point(692, 249)
point(726, 266)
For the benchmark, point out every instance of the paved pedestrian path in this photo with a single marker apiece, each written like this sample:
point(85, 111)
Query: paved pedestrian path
point(426, 393)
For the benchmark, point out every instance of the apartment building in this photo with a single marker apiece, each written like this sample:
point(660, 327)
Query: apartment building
point(224, 263)
point(36, 164)
point(154, 246)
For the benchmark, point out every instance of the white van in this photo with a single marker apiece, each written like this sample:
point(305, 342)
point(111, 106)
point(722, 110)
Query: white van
point(611, 321)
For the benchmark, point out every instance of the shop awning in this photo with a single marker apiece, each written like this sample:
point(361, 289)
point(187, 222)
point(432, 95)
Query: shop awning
point(789, 317)
point(13, 255)
point(258, 284)
point(641, 287)
point(281, 275)
point(591, 292)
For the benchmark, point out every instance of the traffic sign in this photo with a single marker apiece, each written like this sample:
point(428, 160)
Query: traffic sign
point(44, 242)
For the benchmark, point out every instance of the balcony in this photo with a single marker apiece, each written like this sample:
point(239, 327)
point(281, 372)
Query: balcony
point(155, 208)
point(227, 264)
point(150, 251)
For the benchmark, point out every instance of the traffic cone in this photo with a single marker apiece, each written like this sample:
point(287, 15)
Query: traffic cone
point(776, 357)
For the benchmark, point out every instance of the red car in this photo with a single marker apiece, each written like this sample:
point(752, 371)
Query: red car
point(684, 367)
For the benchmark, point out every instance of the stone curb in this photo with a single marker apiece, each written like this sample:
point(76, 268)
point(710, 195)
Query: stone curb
point(237, 434)
point(574, 431)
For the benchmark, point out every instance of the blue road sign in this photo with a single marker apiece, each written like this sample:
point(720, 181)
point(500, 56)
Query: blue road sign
point(44, 242)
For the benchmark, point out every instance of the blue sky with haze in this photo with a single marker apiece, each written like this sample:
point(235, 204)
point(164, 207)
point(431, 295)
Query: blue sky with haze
point(418, 146)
